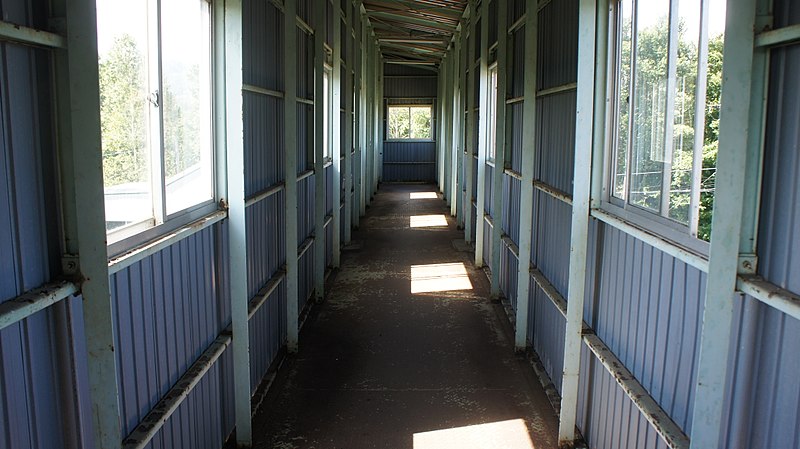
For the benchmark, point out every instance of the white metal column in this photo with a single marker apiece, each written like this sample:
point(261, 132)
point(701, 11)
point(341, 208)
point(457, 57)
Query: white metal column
point(528, 155)
point(336, 137)
point(457, 115)
point(290, 143)
point(469, 160)
point(587, 16)
point(735, 128)
point(237, 243)
point(501, 154)
point(348, 125)
point(80, 155)
point(319, 153)
point(483, 134)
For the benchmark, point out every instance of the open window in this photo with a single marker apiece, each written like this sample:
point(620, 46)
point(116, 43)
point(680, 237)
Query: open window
point(667, 65)
point(156, 120)
point(409, 122)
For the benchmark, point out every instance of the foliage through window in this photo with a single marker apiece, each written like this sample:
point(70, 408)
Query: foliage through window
point(155, 108)
point(409, 122)
point(668, 62)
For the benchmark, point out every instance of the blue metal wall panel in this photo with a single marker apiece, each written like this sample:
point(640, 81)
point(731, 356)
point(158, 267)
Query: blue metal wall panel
point(557, 44)
point(167, 311)
point(266, 232)
point(546, 328)
point(508, 276)
point(263, 142)
point(407, 86)
point(267, 334)
point(555, 146)
point(512, 190)
point(409, 161)
point(41, 380)
point(551, 239)
point(262, 45)
point(487, 185)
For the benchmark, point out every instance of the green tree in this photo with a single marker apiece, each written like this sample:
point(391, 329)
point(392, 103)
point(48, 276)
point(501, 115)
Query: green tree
point(123, 111)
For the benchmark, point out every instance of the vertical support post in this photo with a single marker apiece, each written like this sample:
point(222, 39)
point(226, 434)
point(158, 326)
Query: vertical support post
point(456, 113)
point(381, 124)
point(469, 161)
point(368, 165)
point(587, 15)
point(461, 102)
point(483, 134)
point(358, 89)
point(319, 153)
point(290, 139)
point(526, 191)
point(362, 108)
point(501, 154)
point(348, 124)
point(736, 126)
point(336, 136)
point(447, 127)
point(84, 222)
point(234, 135)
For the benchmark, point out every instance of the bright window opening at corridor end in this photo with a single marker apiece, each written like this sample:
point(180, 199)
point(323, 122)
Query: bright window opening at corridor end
point(155, 110)
point(409, 122)
point(667, 62)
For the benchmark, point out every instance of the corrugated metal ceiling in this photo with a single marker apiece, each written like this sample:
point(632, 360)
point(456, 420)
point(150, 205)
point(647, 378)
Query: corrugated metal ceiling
point(414, 31)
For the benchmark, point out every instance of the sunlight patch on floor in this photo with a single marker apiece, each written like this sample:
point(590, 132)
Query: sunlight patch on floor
point(423, 195)
point(441, 277)
point(427, 221)
point(512, 434)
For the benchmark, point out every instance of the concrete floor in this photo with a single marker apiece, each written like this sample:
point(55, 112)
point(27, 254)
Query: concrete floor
point(382, 367)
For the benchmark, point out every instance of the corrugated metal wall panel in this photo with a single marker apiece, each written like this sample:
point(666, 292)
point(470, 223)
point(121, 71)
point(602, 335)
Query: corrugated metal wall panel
point(40, 384)
point(263, 142)
point(651, 318)
point(557, 44)
point(546, 328)
point(509, 267)
point(167, 312)
point(515, 119)
point(265, 233)
point(267, 334)
point(511, 204)
point(555, 144)
point(262, 45)
point(409, 161)
point(551, 239)
point(410, 86)
point(487, 185)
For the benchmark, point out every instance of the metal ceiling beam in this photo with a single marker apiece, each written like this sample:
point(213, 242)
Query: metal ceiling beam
point(412, 20)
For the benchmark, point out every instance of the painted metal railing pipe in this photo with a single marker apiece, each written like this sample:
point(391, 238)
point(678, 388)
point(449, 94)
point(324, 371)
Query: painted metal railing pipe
point(290, 160)
point(166, 407)
point(780, 36)
point(265, 292)
point(30, 36)
point(23, 306)
point(770, 294)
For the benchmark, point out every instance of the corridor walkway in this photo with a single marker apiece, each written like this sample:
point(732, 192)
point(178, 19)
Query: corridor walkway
point(407, 351)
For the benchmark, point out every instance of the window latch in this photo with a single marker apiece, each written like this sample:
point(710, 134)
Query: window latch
point(153, 99)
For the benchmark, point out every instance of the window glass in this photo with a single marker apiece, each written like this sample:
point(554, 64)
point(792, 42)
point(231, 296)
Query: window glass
point(668, 61)
point(155, 96)
point(492, 105)
point(409, 122)
point(185, 65)
point(122, 45)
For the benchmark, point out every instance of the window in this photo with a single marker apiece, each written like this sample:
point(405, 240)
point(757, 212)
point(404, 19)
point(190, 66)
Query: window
point(409, 122)
point(326, 114)
point(668, 64)
point(491, 135)
point(155, 108)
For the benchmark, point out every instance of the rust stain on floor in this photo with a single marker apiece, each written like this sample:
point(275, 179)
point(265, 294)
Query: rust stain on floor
point(382, 367)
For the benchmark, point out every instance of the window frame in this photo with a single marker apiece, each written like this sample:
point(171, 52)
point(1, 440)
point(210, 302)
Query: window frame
point(162, 222)
point(491, 104)
point(646, 219)
point(428, 105)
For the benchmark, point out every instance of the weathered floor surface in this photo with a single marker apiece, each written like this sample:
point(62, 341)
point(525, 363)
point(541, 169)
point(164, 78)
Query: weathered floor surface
point(382, 367)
